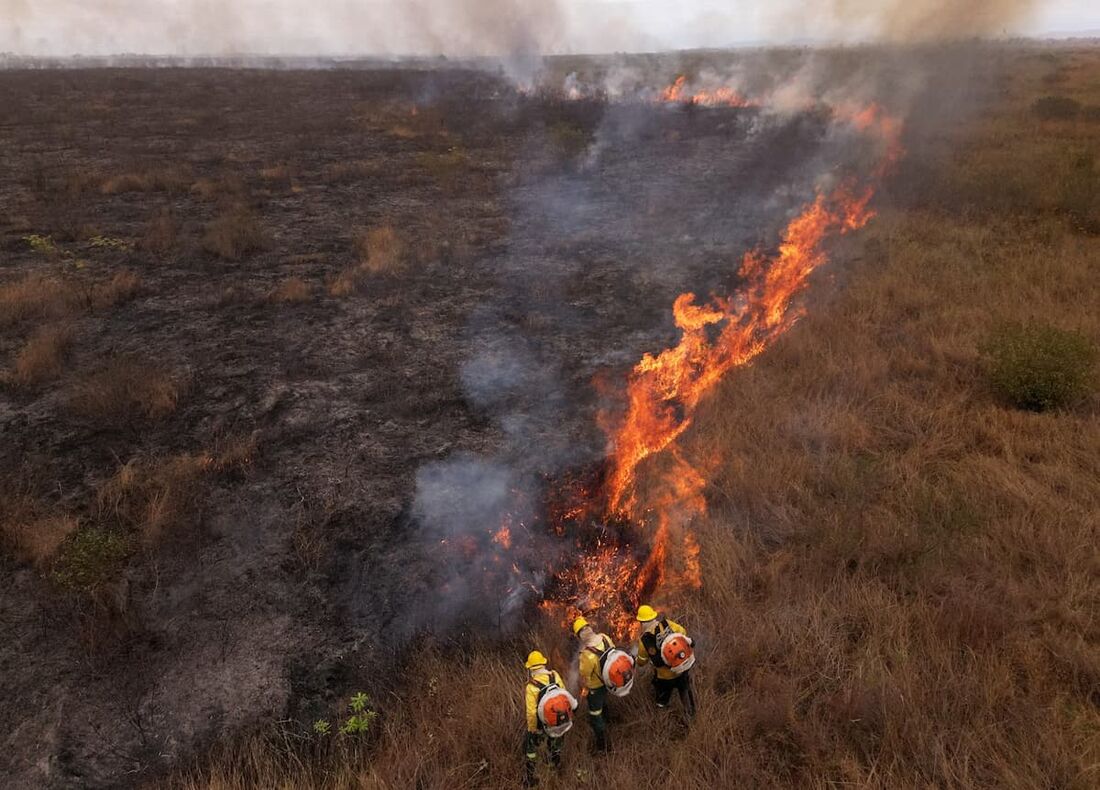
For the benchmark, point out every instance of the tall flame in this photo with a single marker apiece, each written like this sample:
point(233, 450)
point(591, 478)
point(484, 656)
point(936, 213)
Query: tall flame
point(664, 390)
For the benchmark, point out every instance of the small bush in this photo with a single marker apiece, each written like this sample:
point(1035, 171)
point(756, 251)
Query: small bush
point(124, 388)
point(43, 245)
point(90, 558)
point(293, 290)
point(43, 355)
point(234, 235)
point(1039, 367)
point(1056, 108)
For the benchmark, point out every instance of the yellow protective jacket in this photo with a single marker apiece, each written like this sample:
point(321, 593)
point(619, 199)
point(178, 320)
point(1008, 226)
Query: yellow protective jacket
point(531, 695)
point(664, 673)
point(589, 663)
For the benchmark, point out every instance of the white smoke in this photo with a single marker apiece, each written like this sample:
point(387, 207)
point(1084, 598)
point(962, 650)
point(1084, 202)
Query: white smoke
point(461, 28)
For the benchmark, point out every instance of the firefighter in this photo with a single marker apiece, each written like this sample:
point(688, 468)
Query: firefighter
point(666, 645)
point(592, 646)
point(549, 707)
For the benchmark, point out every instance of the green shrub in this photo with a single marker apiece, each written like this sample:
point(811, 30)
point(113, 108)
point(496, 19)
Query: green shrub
point(1039, 367)
point(90, 558)
point(1056, 108)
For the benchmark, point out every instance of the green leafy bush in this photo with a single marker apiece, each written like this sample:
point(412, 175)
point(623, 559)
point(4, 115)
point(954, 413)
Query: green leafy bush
point(1039, 367)
point(1056, 108)
point(90, 558)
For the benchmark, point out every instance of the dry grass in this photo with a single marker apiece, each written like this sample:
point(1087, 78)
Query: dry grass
point(51, 297)
point(380, 250)
point(293, 290)
point(43, 356)
point(901, 575)
point(37, 296)
point(30, 532)
point(161, 234)
point(235, 234)
point(153, 180)
point(151, 498)
point(122, 287)
point(126, 388)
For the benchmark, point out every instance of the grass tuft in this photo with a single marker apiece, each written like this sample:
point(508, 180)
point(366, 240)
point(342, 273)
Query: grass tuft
point(1040, 368)
point(125, 388)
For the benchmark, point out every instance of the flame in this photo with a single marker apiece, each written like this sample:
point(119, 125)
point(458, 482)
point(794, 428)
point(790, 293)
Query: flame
point(664, 390)
point(503, 537)
point(626, 537)
point(677, 93)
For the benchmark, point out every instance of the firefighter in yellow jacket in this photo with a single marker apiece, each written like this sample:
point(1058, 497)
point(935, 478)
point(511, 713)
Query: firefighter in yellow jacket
point(665, 644)
point(592, 645)
point(549, 707)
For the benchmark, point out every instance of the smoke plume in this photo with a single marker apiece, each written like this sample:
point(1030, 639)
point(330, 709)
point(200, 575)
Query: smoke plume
point(461, 28)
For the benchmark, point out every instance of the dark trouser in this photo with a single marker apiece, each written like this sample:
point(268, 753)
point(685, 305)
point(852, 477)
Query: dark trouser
point(682, 683)
point(531, 744)
point(597, 699)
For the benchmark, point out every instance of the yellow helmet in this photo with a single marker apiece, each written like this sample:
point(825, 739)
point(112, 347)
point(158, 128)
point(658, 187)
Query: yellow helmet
point(578, 624)
point(646, 613)
point(535, 659)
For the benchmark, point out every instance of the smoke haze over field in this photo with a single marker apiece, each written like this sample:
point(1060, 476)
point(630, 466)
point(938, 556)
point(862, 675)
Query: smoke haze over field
point(496, 27)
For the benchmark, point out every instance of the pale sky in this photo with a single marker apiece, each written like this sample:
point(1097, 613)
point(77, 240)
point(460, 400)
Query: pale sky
point(365, 27)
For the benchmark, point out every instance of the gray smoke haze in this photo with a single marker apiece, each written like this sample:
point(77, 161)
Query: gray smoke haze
point(904, 21)
point(475, 27)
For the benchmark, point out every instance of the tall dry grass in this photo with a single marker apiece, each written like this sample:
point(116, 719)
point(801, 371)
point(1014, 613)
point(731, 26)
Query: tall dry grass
point(125, 388)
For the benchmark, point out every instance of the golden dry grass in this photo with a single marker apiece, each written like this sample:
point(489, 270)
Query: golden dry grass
point(380, 250)
point(30, 532)
point(149, 497)
point(42, 296)
point(125, 388)
point(235, 234)
point(42, 357)
point(293, 290)
point(168, 179)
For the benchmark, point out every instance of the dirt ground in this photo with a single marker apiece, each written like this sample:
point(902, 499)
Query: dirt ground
point(329, 280)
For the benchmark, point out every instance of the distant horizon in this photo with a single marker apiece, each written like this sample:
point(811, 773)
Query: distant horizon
point(464, 28)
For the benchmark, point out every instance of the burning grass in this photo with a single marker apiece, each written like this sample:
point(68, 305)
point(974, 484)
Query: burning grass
point(897, 587)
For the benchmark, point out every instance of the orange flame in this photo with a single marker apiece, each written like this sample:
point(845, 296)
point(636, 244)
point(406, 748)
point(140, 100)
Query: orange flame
point(664, 390)
point(677, 93)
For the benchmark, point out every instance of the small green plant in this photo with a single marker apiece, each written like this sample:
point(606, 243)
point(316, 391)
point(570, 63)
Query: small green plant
point(322, 727)
point(90, 558)
point(1039, 367)
point(362, 717)
point(111, 243)
point(43, 245)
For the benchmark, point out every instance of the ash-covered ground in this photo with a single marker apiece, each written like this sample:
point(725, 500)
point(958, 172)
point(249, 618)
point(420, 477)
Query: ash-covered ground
point(543, 241)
